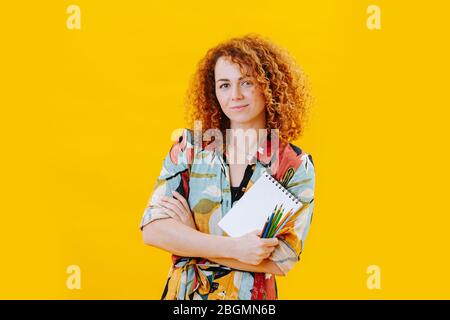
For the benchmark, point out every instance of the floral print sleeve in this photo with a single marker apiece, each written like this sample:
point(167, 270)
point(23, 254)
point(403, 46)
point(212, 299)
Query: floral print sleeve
point(302, 186)
point(174, 175)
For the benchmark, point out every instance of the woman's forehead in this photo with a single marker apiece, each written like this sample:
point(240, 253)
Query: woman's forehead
point(227, 69)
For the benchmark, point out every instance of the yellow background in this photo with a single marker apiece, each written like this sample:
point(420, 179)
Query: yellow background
point(86, 119)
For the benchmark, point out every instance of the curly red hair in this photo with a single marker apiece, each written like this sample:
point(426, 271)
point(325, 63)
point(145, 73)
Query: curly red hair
point(282, 82)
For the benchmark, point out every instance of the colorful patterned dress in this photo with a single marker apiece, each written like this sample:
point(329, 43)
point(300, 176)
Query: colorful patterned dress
point(202, 177)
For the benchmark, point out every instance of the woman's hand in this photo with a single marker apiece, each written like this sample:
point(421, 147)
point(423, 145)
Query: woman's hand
point(252, 249)
point(178, 208)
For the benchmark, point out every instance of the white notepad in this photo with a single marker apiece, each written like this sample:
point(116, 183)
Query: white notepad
point(251, 211)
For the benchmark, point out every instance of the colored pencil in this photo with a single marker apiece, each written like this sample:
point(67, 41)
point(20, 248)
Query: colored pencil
point(275, 225)
point(283, 221)
point(270, 221)
point(290, 221)
point(273, 222)
point(265, 225)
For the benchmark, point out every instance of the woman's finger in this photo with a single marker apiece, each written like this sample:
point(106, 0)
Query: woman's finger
point(176, 203)
point(173, 208)
point(172, 214)
point(268, 256)
point(182, 199)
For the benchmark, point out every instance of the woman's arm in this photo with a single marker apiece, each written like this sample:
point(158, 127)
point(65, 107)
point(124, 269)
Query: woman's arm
point(248, 253)
point(266, 266)
point(181, 240)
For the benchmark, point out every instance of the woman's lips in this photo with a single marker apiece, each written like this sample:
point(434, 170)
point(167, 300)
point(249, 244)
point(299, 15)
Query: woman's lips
point(237, 108)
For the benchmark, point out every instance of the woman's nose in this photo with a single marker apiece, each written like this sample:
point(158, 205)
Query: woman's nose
point(237, 94)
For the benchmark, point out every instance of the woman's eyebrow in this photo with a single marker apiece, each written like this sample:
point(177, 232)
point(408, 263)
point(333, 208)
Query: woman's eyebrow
point(243, 77)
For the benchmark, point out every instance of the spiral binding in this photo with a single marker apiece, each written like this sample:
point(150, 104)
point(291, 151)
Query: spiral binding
point(283, 189)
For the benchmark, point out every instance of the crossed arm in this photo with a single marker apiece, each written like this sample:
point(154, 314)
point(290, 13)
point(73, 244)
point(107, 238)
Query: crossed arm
point(180, 239)
point(266, 266)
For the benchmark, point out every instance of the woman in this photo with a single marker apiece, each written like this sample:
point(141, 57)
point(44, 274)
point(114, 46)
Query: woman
point(245, 84)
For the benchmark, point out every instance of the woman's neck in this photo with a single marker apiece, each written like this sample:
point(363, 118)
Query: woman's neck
point(241, 148)
point(258, 123)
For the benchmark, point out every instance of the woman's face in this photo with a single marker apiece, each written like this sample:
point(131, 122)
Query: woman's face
point(239, 96)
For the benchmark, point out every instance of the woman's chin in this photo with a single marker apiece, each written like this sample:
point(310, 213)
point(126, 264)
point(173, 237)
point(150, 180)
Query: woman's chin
point(240, 119)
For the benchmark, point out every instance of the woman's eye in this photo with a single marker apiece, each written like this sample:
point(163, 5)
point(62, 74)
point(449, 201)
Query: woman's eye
point(247, 83)
point(223, 85)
